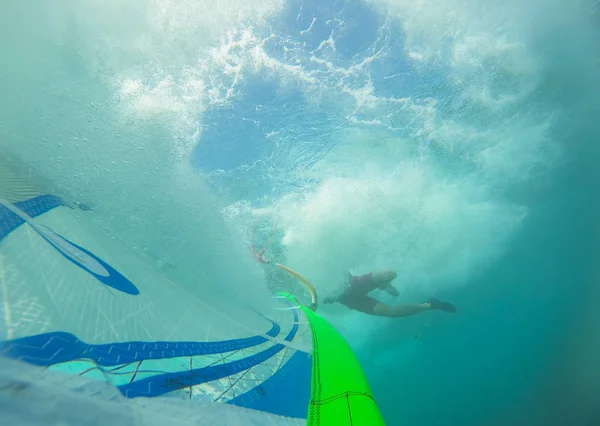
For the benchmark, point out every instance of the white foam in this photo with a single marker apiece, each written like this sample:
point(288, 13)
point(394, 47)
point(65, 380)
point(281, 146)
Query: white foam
point(430, 231)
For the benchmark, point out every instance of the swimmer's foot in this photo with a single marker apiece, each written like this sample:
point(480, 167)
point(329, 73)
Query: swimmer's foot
point(438, 305)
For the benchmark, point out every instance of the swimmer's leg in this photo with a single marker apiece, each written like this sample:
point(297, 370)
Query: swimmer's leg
point(384, 279)
point(383, 310)
point(384, 276)
point(390, 289)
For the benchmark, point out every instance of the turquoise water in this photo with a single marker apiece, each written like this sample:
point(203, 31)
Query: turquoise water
point(453, 141)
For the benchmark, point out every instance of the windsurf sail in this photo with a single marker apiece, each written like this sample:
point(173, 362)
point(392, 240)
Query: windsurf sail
point(85, 323)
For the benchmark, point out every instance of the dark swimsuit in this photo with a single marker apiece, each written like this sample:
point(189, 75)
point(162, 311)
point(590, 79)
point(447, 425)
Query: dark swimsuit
point(356, 295)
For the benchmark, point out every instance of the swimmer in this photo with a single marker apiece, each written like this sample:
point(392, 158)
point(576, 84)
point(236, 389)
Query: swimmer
point(356, 297)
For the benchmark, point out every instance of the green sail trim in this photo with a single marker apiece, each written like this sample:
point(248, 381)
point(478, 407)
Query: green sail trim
point(340, 391)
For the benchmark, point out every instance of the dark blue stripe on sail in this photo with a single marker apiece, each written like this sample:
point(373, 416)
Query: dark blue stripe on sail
point(114, 278)
point(57, 347)
point(169, 382)
point(285, 393)
point(9, 221)
point(33, 207)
